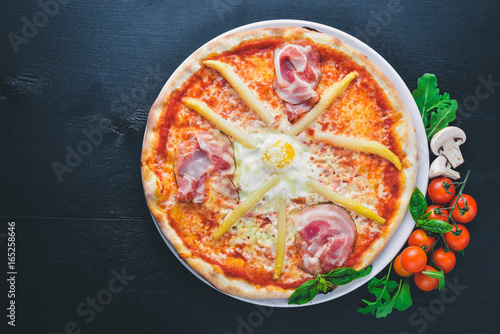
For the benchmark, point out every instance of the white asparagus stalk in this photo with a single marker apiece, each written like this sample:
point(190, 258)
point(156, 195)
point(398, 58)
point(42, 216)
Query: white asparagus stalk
point(358, 145)
point(344, 201)
point(224, 125)
point(281, 239)
point(246, 205)
point(242, 89)
point(324, 102)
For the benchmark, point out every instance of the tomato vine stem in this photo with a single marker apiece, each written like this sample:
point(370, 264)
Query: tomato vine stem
point(457, 198)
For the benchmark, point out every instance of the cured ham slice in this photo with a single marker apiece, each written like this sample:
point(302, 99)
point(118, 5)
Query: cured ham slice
point(295, 110)
point(205, 154)
point(192, 164)
point(327, 235)
point(220, 191)
point(298, 71)
point(219, 154)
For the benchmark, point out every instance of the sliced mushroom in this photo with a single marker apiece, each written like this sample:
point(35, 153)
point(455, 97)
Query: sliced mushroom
point(441, 167)
point(446, 141)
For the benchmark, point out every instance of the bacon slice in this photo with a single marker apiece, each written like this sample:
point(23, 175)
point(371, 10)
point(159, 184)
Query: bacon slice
point(202, 155)
point(327, 236)
point(298, 71)
point(310, 264)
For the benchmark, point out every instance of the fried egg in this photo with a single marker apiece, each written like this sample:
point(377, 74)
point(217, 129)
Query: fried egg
point(276, 153)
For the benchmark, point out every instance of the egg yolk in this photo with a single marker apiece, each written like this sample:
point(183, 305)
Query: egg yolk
point(278, 156)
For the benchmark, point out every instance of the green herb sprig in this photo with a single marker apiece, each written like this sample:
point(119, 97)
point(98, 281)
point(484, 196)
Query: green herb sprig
point(418, 205)
point(324, 283)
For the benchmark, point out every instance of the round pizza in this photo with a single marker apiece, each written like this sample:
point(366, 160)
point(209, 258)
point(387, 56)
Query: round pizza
point(277, 154)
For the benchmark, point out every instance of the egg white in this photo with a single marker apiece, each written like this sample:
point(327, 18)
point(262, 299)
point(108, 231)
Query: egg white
point(251, 170)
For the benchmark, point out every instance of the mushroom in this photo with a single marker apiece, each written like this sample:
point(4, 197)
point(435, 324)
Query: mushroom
point(441, 167)
point(446, 141)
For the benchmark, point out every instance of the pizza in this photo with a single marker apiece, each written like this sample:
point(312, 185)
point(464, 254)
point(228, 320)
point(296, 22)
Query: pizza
point(276, 154)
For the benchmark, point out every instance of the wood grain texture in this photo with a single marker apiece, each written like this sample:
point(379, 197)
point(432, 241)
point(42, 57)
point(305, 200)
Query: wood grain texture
point(84, 72)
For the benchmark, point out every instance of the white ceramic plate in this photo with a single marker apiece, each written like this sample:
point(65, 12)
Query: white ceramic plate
point(407, 225)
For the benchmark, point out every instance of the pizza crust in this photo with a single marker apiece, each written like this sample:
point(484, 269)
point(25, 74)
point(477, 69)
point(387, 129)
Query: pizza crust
point(151, 183)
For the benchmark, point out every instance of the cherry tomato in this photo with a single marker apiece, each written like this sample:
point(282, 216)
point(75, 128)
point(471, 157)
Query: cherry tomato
point(438, 212)
point(413, 259)
point(457, 242)
point(425, 282)
point(465, 210)
point(441, 190)
point(444, 260)
point(398, 268)
point(420, 239)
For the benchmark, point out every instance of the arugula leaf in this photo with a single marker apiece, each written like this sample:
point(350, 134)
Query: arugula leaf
point(442, 101)
point(435, 226)
point(386, 308)
point(404, 300)
point(426, 95)
point(323, 283)
point(381, 288)
point(444, 115)
point(418, 204)
point(436, 274)
point(401, 300)
point(385, 303)
point(371, 307)
point(437, 111)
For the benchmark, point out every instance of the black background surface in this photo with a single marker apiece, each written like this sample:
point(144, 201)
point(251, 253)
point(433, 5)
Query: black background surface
point(88, 65)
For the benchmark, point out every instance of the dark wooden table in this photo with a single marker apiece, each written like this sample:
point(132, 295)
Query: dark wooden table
point(88, 256)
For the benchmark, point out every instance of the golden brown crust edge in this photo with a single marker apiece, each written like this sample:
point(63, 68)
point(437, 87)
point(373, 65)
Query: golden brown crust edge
point(186, 69)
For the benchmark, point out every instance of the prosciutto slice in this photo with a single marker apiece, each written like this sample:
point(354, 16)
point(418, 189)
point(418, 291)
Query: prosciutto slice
point(219, 153)
point(298, 71)
point(205, 154)
point(327, 235)
point(295, 110)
